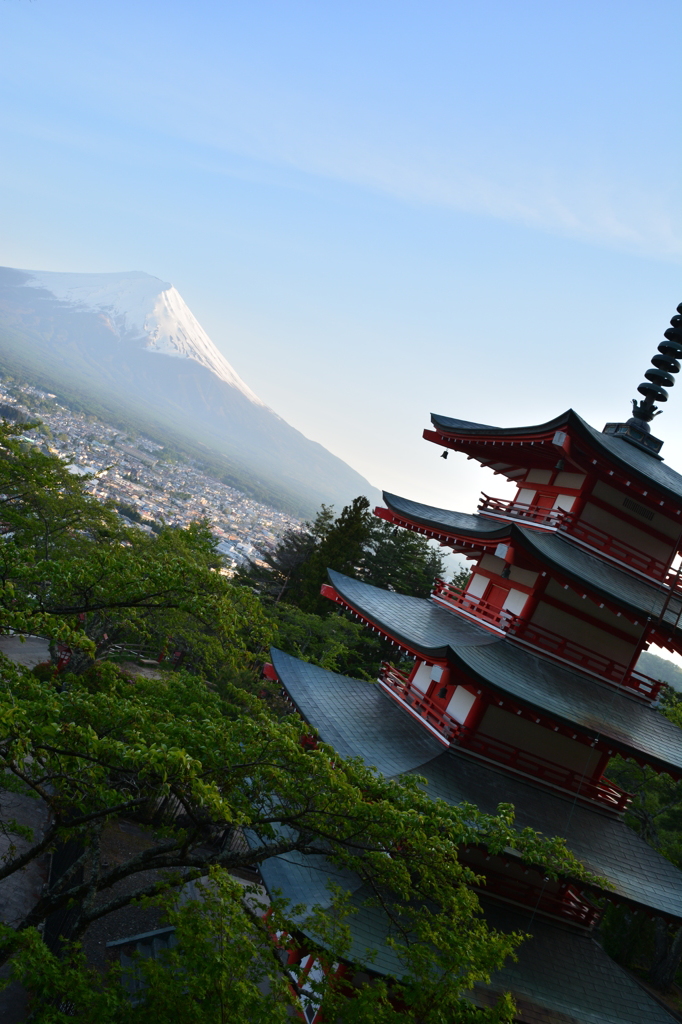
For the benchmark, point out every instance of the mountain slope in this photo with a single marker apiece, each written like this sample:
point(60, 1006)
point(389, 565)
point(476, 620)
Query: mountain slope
point(129, 343)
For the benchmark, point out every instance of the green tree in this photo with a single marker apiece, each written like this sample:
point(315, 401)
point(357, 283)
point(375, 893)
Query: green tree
point(333, 641)
point(198, 769)
point(281, 572)
point(397, 559)
point(656, 814)
point(342, 548)
point(71, 571)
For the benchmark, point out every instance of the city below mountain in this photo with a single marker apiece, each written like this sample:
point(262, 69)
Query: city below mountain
point(126, 346)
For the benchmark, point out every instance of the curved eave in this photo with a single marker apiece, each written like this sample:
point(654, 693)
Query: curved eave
point(443, 524)
point(554, 692)
point(359, 720)
point(640, 600)
point(465, 429)
point(419, 626)
point(605, 450)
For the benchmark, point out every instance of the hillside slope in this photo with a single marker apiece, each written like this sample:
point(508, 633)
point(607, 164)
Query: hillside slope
point(129, 344)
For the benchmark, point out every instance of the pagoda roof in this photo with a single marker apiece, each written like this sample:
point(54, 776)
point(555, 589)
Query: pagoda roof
point(418, 623)
point(631, 460)
point(447, 521)
point(360, 720)
point(599, 576)
point(345, 713)
point(560, 975)
point(554, 550)
point(564, 977)
point(564, 694)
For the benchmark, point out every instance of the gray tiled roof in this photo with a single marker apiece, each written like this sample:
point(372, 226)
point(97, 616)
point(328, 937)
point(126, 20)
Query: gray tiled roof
point(304, 880)
point(604, 844)
point(565, 694)
point(350, 711)
point(623, 587)
point(554, 550)
point(563, 977)
point(432, 628)
point(628, 456)
point(445, 519)
point(360, 720)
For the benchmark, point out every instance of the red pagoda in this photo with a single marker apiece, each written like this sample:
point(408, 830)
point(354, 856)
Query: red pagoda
point(525, 684)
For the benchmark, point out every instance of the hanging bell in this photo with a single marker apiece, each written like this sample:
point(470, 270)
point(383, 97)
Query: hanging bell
point(444, 454)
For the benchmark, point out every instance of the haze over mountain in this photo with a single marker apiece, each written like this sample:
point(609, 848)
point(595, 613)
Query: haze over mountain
point(128, 343)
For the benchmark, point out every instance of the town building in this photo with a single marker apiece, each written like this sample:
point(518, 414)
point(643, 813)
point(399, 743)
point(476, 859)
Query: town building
point(523, 687)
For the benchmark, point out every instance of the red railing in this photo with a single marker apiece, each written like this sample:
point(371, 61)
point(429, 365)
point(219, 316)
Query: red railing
point(532, 765)
point(617, 549)
point(532, 515)
point(568, 904)
point(468, 604)
point(567, 650)
point(602, 791)
point(425, 707)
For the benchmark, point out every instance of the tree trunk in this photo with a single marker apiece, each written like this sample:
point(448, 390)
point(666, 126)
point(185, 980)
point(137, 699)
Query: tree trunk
point(667, 956)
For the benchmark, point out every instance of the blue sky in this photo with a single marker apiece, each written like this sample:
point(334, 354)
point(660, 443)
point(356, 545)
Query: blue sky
point(376, 209)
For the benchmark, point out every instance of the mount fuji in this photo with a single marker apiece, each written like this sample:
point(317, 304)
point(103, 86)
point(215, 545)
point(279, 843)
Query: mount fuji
point(127, 346)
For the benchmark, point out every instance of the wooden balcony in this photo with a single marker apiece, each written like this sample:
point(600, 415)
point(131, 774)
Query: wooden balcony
point(473, 607)
point(575, 654)
point(601, 791)
point(617, 550)
point(427, 709)
point(518, 511)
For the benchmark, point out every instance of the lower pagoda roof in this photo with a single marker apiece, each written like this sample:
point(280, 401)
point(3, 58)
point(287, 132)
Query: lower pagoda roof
point(560, 977)
point(359, 720)
point(563, 977)
point(563, 694)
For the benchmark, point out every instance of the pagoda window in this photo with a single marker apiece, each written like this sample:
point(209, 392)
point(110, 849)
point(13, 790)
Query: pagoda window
point(565, 502)
point(539, 476)
point(526, 496)
point(421, 677)
point(461, 704)
point(477, 585)
point(515, 601)
point(570, 481)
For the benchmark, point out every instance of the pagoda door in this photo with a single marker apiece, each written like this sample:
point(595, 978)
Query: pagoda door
point(495, 596)
point(544, 500)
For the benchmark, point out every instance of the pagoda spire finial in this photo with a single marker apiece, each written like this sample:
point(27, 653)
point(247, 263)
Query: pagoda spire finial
point(665, 364)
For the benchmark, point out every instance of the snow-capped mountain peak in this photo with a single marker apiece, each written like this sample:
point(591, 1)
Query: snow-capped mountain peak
point(136, 305)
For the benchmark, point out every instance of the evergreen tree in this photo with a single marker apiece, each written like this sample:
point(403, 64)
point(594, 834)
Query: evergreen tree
point(401, 560)
point(342, 547)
